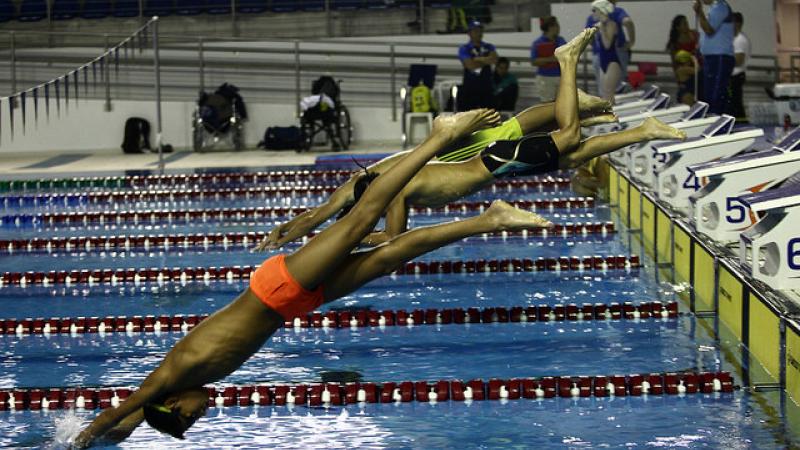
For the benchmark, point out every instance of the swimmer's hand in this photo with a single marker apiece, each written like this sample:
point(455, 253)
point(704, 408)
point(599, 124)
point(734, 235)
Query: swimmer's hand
point(271, 242)
point(84, 439)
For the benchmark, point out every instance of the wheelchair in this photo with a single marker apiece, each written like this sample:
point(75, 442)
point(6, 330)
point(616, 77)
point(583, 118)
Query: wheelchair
point(218, 118)
point(323, 111)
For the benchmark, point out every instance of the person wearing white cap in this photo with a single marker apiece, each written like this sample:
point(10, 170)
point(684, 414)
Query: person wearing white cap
point(606, 50)
point(626, 39)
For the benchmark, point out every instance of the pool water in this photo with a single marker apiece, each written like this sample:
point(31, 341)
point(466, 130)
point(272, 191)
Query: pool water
point(426, 352)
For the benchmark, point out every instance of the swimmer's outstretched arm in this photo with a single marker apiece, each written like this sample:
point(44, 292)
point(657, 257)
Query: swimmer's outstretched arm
point(116, 420)
point(396, 222)
point(304, 223)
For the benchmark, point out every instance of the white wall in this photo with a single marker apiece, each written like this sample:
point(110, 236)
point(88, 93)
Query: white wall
point(88, 127)
point(653, 19)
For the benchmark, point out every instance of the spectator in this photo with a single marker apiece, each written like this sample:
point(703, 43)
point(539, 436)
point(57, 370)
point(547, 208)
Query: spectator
point(626, 39)
point(716, 46)
point(477, 57)
point(542, 50)
point(683, 50)
point(506, 87)
point(686, 66)
point(741, 50)
point(682, 37)
point(607, 49)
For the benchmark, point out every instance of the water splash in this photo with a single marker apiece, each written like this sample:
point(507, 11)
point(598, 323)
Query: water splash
point(67, 427)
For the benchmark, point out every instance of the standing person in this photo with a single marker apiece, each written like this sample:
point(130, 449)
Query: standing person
point(626, 39)
point(741, 53)
point(506, 86)
point(477, 57)
point(542, 50)
point(683, 47)
point(608, 54)
point(716, 46)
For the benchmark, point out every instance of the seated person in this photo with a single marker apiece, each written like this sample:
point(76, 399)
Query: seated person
point(506, 86)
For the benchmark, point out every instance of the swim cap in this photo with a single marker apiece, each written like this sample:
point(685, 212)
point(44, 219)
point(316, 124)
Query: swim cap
point(603, 6)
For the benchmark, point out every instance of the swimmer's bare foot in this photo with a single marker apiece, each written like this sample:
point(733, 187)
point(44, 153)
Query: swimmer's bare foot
point(505, 217)
point(588, 103)
point(599, 119)
point(464, 123)
point(656, 129)
point(571, 51)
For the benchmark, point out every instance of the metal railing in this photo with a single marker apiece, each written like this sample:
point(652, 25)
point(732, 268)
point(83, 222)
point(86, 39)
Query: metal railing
point(365, 62)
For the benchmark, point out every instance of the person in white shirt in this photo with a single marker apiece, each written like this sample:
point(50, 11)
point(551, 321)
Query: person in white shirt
point(741, 50)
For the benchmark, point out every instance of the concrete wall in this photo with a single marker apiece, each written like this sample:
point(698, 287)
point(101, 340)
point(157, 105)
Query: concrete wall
point(88, 127)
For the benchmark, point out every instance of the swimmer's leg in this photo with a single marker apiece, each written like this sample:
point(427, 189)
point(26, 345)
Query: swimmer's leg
point(611, 79)
point(543, 117)
point(568, 135)
point(650, 129)
point(316, 260)
point(360, 268)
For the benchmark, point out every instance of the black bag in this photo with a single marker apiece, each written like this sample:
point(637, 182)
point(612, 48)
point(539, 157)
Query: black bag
point(282, 138)
point(137, 135)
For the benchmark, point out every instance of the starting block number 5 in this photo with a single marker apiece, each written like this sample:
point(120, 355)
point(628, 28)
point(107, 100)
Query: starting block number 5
point(737, 211)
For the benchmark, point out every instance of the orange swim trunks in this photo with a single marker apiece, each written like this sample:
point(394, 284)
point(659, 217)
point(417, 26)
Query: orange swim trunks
point(279, 291)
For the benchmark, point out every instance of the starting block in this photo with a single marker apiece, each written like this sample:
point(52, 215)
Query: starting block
point(648, 93)
point(660, 101)
point(717, 210)
point(770, 250)
point(642, 160)
point(674, 182)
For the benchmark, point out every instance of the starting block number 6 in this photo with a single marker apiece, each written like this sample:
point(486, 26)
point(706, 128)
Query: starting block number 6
point(794, 254)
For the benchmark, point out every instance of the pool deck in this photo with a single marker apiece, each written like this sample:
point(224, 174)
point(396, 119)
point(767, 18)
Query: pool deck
point(55, 164)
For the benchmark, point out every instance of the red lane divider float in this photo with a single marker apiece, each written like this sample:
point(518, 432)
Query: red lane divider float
point(244, 240)
point(188, 216)
point(232, 193)
point(357, 319)
point(233, 273)
point(323, 394)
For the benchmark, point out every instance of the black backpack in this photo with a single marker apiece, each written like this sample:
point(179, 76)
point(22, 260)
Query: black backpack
point(137, 135)
point(282, 138)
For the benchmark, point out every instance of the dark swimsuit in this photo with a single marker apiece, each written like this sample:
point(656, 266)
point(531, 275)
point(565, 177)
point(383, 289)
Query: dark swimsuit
point(607, 55)
point(532, 154)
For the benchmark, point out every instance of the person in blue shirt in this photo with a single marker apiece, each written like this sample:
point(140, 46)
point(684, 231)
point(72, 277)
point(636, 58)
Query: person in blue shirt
point(626, 39)
point(477, 57)
point(716, 46)
point(542, 50)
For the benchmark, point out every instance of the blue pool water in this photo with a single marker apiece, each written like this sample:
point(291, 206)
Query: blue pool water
point(501, 350)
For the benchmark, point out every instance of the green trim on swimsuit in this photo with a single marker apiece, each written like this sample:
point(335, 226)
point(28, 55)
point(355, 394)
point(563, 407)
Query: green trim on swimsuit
point(475, 143)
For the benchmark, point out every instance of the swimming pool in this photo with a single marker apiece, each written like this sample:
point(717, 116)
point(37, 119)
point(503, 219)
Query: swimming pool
point(185, 250)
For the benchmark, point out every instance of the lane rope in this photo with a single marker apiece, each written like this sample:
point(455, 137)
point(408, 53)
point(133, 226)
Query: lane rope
point(231, 193)
point(183, 180)
point(354, 319)
point(165, 275)
point(335, 394)
point(187, 216)
point(245, 240)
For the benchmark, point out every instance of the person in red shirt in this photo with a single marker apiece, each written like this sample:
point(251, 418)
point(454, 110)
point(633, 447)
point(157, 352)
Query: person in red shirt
point(542, 50)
